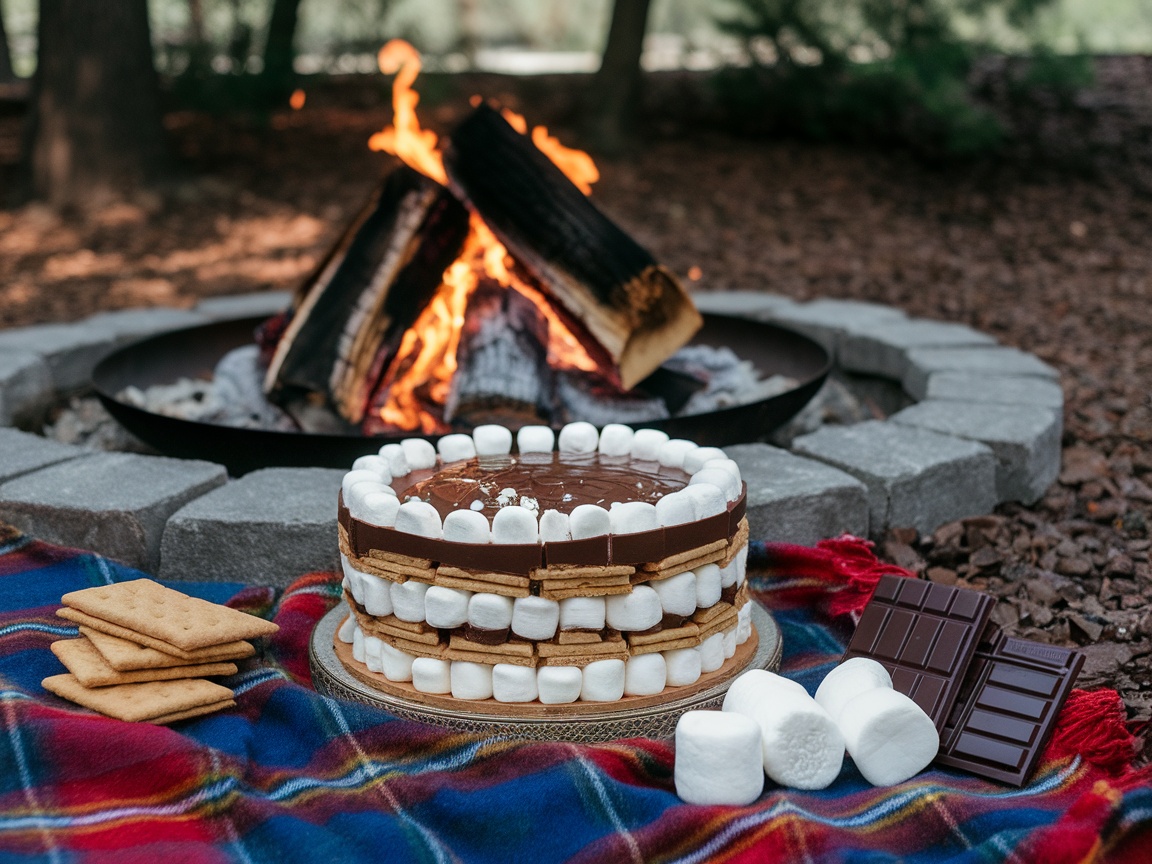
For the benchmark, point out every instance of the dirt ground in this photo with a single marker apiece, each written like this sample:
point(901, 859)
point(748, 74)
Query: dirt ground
point(1057, 265)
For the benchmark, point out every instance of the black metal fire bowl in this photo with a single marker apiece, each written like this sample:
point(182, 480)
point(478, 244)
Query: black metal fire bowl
point(194, 352)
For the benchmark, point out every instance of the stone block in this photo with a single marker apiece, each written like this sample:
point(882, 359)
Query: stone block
point(995, 389)
point(68, 350)
point(25, 387)
point(1024, 438)
point(915, 478)
point(827, 321)
point(797, 500)
point(1012, 362)
point(742, 304)
point(130, 324)
point(23, 452)
point(115, 504)
point(881, 347)
point(265, 303)
point(268, 527)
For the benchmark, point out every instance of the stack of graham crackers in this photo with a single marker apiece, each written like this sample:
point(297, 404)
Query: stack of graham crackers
point(145, 651)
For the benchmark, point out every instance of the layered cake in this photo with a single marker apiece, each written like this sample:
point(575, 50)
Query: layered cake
point(590, 565)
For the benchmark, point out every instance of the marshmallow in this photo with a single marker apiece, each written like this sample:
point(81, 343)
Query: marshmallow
point(535, 618)
point(377, 595)
point(717, 759)
point(708, 500)
point(847, 681)
point(490, 611)
point(554, 527)
point(725, 464)
point(358, 645)
point(515, 525)
point(639, 609)
point(582, 613)
point(712, 653)
point(683, 666)
point(677, 593)
point(446, 607)
point(721, 479)
point(453, 448)
point(419, 518)
point(513, 683)
point(354, 578)
point(430, 675)
point(589, 520)
point(420, 454)
point(645, 675)
point(802, 747)
point(408, 600)
point(558, 685)
point(646, 444)
point(888, 736)
point(467, 526)
point(707, 585)
point(377, 465)
point(675, 509)
point(397, 461)
point(397, 664)
point(673, 451)
point(744, 624)
point(741, 561)
point(535, 439)
point(375, 508)
point(729, 643)
point(372, 647)
point(632, 517)
point(694, 459)
point(616, 440)
point(578, 437)
point(747, 691)
point(492, 440)
point(603, 681)
point(344, 634)
point(354, 477)
point(471, 680)
point(728, 573)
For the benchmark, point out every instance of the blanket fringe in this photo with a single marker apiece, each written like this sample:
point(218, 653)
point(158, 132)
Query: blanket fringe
point(1092, 725)
point(858, 567)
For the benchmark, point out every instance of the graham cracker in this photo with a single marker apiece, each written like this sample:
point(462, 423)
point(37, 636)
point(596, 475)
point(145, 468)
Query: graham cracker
point(671, 645)
point(572, 571)
point(737, 542)
point(670, 634)
point(553, 654)
point(586, 581)
point(92, 670)
point(165, 719)
point(686, 555)
point(676, 569)
point(481, 586)
point(389, 625)
point(719, 623)
point(487, 576)
point(149, 700)
point(589, 591)
point(380, 554)
point(705, 616)
point(94, 623)
point(578, 637)
point(125, 656)
point(516, 653)
point(167, 615)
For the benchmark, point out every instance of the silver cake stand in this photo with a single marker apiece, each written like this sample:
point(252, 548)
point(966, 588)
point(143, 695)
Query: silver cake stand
point(631, 717)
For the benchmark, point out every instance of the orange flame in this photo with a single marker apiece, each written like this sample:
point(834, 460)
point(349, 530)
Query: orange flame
point(404, 138)
point(296, 100)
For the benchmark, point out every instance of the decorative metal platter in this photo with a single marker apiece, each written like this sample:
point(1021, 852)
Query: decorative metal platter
point(649, 717)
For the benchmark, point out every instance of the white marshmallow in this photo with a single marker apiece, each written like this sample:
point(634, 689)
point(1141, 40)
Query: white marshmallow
point(755, 685)
point(558, 685)
point(708, 500)
point(492, 439)
point(419, 518)
point(639, 609)
point(676, 508)
point(728, 573)
point(535, 618)
point(712, 653)
point(397, 461)
point(578, 437)
point(726, 464)
point(490, 611)
point(375, 508)
point(397, 664)
point(376, 464)
point(408, 600)
point(677, 593)
point(741, 561)
point(589, 520)
point(354, 477)
point(358, 645)
point(729, 643)
point(430, 675)
point(888, 736)
point(847, 681)
point(683, 666)
point(616, 440)
point(673, 451)
point(515, 525)
point(694, 459)
point(801, 746)
point(354, 578)
point(719, 478)
point(344, 634)
point(467, 526)
point(554, 527)
point(377, 595)
point(513, 683)
point(717, 759)
point(455, 447)
point(744, 624)
point(632, 517)
point(603, 681)
point(372, 647)
point(446, 607)
point(707, 585)
point(645, 675)
point(420, 454)
point(471, 680)
point(582, 613)
point(646, 444)
point(535, 439)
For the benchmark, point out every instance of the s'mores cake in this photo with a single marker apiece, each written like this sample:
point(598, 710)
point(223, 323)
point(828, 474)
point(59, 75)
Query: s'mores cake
point(592, 565)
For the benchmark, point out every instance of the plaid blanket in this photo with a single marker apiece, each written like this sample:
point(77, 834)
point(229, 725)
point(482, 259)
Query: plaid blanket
point(288, 775)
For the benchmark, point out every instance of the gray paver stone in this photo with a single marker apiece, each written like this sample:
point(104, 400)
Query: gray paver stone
point(998, 390)
point(742, 304)
point(881, 347)
point(915, 478)
point(25, 386)
point(1024, 438)
point(69, 350)
point(129, 324)
point(115, 504)
point(23, 452)
point(924, 362)
point(797, 500)
point(268, 527)
point(827, 321)
point(245, 305)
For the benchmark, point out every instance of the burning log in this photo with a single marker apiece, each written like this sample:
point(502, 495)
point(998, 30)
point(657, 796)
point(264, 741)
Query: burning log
point(634, 308)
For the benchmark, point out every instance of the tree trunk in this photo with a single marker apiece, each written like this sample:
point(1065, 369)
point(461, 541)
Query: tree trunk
point(616, 88)
point(278, 75)
point(94, 128)
point(6, 74)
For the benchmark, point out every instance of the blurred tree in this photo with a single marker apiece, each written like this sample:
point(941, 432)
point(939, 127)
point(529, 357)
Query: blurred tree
point(94, 130)
point(615, 92)
point(279, 76)
point(6, 73)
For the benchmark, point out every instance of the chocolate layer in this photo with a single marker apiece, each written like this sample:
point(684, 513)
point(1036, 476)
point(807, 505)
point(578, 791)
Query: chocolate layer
point(484, 635)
